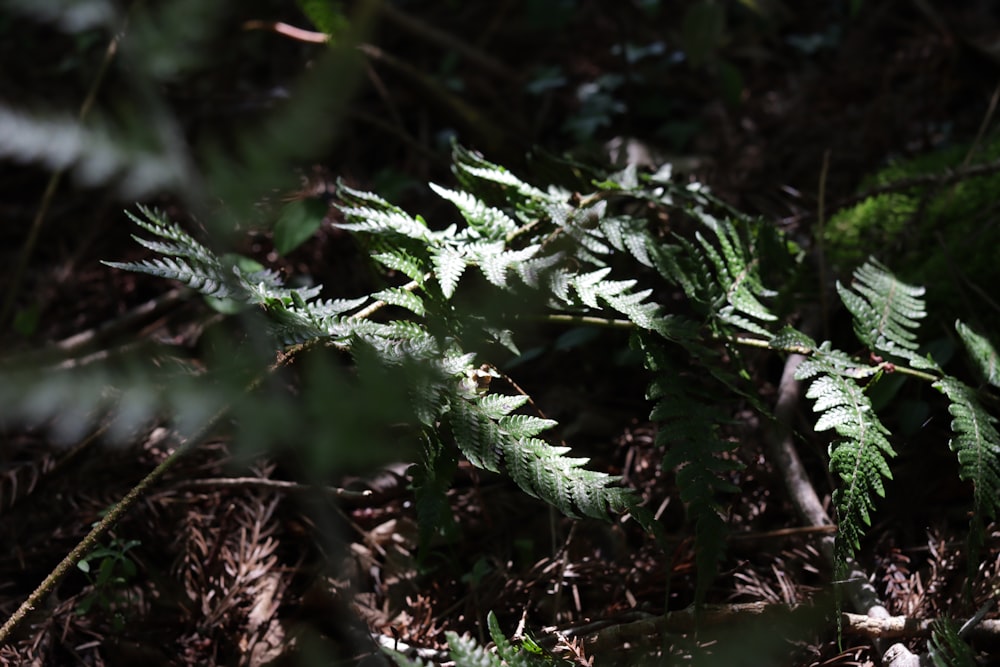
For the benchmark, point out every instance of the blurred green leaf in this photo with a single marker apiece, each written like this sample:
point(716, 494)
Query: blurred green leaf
point(298, 221)
point(327, 15)
point(26, 320)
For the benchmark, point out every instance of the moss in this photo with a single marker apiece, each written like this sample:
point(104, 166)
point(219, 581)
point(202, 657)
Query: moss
point(946, 237)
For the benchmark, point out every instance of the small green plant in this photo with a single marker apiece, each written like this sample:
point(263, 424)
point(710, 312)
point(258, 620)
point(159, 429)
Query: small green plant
point(467, 652)
point(108, 569)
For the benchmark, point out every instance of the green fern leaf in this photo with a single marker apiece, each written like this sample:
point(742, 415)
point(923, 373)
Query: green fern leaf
point(403, 298)
point(471, 167)
point(399, 260)
point(493, 440)
point(982, 352)
point(491, 223)
point(448, 265)
point(495, 406)
point(858, 456)
point(886, 312)
point(476, 435)
point(365, 200)
point(524, 426)
point(976, 443)
point(626, 233)
point(371, 221)
point(702, 459)
point(946, 648)
point(494, 264)
point(466, 652)
point(209, 280)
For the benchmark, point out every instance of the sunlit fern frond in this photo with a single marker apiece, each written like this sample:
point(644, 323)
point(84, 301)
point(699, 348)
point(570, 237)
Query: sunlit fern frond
point(886, 313)
point(860, 452)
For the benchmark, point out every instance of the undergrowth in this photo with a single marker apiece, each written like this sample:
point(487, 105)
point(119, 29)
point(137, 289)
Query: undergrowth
point(415, 369)
point(602, 258)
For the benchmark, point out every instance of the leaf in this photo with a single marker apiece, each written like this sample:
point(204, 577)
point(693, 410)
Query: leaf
point(982, 352)
point(491, 222)
point(298, 221)
point(448, 265)
point(524, 426)
point(858, 455)
point(886, 312)
point(976, 443)
point(400, 260)
point(403, 298)
point(946, 647)
point(327, 15)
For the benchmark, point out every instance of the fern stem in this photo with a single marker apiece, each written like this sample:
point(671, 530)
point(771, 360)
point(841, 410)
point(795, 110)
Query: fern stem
point(607, 322)
point(883, 366)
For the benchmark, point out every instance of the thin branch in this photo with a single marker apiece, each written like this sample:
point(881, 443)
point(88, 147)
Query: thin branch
point(114, 515)
point(119, 509)
point(883, 366)
point(947, 177)
point(290, 31)
point(446, 41)
point(271, 485)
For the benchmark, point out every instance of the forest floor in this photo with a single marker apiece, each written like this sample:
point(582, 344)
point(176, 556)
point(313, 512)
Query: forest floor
point(231, 562)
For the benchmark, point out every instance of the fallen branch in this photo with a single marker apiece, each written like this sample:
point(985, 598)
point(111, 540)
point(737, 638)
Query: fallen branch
point(904, 627)
point(687, 620)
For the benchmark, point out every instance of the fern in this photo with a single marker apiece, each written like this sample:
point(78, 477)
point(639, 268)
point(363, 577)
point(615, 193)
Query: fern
point(703, 459)
point(886, 313)
point(859, 455)
point(568, 255)
point(977, 445)
point(982, 352)
point(485, 429)
point(493, 439)
point(946, 648)
point(467, 652)
point(526, 239)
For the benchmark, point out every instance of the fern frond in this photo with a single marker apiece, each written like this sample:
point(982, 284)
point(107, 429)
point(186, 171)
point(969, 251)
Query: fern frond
point(626, 233)
point(982, 352)
point(494, 440)
point(496, 406)
point(492, 223)
point(946, 648)
point(403, 298)
point(398, 259)
point(374, 221)
point(449, 264)
point(721, 272)
point(858, 456)
point(977, 445)
point(495, 263)
point(688, 430)
point(472, 169)
point(211, 281)
point(886, 312)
